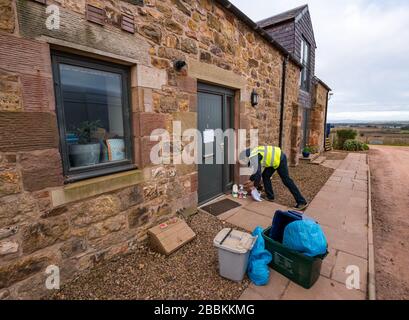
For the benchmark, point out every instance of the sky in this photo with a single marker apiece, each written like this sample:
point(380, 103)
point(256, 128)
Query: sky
point(362, 53)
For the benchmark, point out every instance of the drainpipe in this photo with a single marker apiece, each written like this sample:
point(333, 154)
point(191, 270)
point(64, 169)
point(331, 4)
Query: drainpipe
point(283, 99)
point(326, 117)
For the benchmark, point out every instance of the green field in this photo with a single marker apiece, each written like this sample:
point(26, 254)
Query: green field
point(380, 136)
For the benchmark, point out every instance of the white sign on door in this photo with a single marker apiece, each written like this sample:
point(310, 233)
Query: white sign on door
point(208, 136)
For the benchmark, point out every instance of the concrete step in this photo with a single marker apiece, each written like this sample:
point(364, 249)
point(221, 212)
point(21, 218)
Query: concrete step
point(311, 158)
point(319, 160)
point(328, 145)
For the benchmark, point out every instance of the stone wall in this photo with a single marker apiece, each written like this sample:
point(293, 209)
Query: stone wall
point(296, 122)
point(316, 134)
point(290, 111)
point(75, 226)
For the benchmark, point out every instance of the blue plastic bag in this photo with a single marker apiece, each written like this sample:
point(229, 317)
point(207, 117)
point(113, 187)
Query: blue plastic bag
point(306, 237)
point(257, 268)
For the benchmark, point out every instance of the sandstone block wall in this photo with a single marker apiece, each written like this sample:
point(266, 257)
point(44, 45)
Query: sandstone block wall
point(316, 134)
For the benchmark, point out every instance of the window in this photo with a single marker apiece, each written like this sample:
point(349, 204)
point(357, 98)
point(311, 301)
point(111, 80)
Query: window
point(93, 116)
point(305, 61)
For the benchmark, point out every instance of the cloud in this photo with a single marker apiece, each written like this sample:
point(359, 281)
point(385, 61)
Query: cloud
point(373, 115)
point(363, 53)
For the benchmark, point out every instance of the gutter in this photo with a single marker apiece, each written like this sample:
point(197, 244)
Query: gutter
point(282, 103)
point(238, 13)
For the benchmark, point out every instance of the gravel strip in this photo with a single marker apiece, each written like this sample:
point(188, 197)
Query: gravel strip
point(190, 273)
point(309, 178)
point(336, 155)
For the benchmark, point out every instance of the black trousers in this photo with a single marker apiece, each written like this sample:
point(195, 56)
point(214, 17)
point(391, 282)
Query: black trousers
point(285, 177)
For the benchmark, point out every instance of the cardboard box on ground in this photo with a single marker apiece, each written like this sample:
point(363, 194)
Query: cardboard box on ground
point(168, 237)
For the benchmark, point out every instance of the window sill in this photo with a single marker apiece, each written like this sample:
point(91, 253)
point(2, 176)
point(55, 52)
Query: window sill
point(92, 187)
point(102, 171)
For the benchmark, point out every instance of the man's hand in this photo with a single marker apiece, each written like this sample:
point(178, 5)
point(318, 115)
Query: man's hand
point(256, 178)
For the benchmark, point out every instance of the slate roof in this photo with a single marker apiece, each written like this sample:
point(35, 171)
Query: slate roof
point(288, 15)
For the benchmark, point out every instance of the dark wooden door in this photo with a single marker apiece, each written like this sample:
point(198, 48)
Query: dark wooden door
point(215, 112)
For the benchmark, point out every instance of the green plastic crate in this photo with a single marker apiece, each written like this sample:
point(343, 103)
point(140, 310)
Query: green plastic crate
point(297, 267)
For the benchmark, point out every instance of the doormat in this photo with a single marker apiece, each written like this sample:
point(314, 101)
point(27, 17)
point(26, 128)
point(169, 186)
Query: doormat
point(220, 207)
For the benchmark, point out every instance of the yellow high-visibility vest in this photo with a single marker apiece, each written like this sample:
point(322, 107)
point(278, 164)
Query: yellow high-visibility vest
point(271, 156)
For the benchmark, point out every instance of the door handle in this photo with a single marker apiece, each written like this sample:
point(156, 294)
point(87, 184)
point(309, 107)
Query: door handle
point(208, 156)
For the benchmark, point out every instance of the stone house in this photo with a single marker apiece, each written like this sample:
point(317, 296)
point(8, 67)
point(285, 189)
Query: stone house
point(294, 31)
point(82, 86)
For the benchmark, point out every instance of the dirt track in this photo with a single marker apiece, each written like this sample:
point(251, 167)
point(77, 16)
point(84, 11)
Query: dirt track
point(390, 201)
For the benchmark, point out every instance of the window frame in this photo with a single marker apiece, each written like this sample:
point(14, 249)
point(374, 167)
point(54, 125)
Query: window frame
point(73, 174)
point(305, 85)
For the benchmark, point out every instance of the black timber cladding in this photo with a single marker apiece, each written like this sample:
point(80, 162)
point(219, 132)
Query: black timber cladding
point(284, 33)
point(289, 28)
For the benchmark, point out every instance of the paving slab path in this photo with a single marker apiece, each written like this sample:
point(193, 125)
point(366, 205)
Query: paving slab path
point(341, 207)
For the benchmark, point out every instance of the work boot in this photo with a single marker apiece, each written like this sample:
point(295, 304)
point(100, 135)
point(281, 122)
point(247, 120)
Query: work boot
point(301, 206)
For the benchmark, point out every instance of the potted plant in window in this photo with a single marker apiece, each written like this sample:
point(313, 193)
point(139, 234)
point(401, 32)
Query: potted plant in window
point(306, 152)
point(86, 152)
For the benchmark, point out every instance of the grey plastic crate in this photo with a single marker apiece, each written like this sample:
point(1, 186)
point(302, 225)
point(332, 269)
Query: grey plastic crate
point(234, 249)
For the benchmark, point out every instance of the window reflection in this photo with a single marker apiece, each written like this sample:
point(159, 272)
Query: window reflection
point(93, 115)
